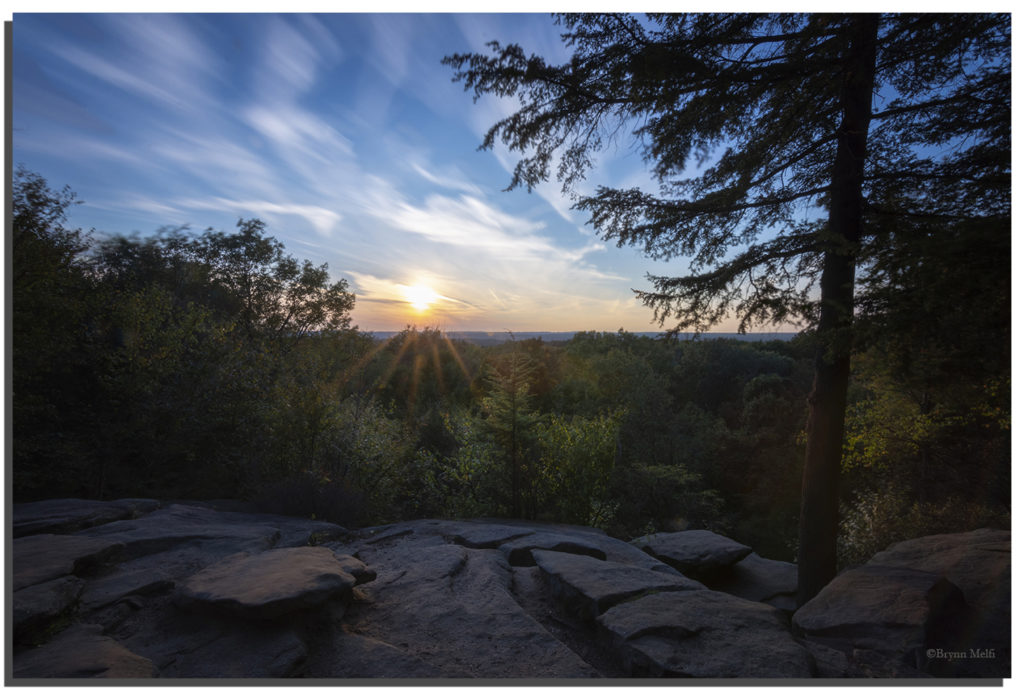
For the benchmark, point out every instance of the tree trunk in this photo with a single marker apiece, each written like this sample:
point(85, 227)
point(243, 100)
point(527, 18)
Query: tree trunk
point(819, 511)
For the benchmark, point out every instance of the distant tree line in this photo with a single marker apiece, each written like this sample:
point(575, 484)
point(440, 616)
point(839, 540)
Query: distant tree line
point(213, 365)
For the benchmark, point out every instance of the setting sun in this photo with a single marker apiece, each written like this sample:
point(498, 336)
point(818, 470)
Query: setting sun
point(419, 296)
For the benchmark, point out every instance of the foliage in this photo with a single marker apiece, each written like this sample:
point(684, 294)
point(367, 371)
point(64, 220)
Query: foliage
point(874, 520)
point(510, 418)
point(789, 149)
point(139, 370)
point(577, 457)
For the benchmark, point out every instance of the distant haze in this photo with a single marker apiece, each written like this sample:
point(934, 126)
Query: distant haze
point(495, 337)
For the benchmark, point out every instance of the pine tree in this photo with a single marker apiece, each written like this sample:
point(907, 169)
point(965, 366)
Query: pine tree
point(511, 418)
point(820, 135)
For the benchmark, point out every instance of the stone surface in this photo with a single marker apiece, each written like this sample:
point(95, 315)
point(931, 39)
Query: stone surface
point(58, 516)
point(355, 568)
point(699, 554)
point(761, 580)
point(704, 633)
point(454, 608)
point(38, 606)
point(899, 613)
point(39, 558)
point(82, 651)
point(589, 586)
point(223, 531)
point(351, 656)
point(459, 600)
point(978, 563)
point(271, 584)
point(113, 587)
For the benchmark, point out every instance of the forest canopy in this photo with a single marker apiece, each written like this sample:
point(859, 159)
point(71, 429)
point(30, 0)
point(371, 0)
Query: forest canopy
point(214, 365)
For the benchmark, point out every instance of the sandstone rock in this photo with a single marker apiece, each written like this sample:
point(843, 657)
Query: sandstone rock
point(113, 587)
point(453, 608)
point(978, 563)
point(39, 558)
point(241, 653)
point(39, 606)
point(174, 525)
point(355, 568)
point(699, 554)
point(896, 612)
point(589, 586)
point(226, 531)
point(519, 552)
point(703, 633)
point(137, 507)
point(481, 535)
point(973, 561)
point(270, 584)
point(351, 656)
point(761, 580)
point(188, 643)
point(82, 652)
point(59, 516)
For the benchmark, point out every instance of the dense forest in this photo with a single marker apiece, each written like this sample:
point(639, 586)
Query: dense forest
point(215, 365)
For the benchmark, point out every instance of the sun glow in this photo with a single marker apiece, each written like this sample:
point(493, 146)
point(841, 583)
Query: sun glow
point(420, 296)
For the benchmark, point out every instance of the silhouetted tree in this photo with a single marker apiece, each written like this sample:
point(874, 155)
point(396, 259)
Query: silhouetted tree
point(817, 132)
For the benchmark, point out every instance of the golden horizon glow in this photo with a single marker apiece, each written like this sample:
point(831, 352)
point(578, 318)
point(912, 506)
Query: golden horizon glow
point(420, 296)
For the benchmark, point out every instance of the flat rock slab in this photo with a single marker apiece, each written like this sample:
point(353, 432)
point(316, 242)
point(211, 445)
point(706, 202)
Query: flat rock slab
point(896, 612)
point(352, 656)
point(762, 580)
point(519, 552)
point(587, 586)
point(58, 516)
point(82, 651)
point(703, 633)
point(452, 608)
point(226, 531)
point(270, 584)
point(38, 606)
point(482, 535)
point(699, 554)
point(39, 558)
point(113, 587)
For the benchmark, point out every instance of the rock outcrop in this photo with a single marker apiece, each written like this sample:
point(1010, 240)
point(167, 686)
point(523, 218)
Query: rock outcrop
point(136, 589)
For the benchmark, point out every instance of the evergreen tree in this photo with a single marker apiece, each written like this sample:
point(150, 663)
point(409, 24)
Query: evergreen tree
point(822, 134)
point(511, 418)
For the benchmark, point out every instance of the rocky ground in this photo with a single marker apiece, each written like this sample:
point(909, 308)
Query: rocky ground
point(138, 589)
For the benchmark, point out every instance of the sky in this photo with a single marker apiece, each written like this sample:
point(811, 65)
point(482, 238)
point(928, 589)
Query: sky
point(345, 134)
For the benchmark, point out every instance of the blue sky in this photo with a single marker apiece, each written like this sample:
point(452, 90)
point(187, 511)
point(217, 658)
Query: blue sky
point(346, 135)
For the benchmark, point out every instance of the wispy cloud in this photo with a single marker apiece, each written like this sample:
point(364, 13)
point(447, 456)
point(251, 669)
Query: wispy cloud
point(323, 220)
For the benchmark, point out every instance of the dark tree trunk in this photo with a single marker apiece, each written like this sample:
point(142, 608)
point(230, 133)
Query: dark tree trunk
point(819, 512)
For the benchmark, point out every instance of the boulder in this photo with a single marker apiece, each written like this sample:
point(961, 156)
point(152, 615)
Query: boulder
point(587, 586)
point(82, 651)
point(699, 554)
point(270, 584)
point(978, 563)
point(703, 633)
point(39, 607)
point(898, 613)
point(39, 558)
point(59, 516)
point(761, 580)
